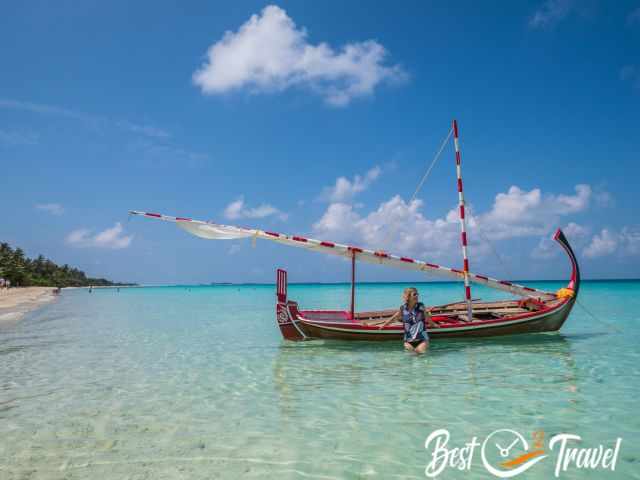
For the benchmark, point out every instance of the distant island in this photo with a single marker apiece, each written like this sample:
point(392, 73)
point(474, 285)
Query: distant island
point(42, 272)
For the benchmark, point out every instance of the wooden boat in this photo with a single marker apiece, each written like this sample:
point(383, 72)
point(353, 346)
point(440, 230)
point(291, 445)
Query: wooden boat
point(534, 311)
point(538, 311)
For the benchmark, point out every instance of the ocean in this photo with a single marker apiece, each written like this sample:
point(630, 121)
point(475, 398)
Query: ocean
point(196, 383)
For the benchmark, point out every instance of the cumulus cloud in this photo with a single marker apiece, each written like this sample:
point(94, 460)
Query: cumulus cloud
point(345, 189)
point(110, 238)
point(52, 208)
point(520, 213)
point(270, 53)
point(238, 209)
point(624, 242)
point(550, 13)
point(547, 248)
point(401, 227)
point(603, 243)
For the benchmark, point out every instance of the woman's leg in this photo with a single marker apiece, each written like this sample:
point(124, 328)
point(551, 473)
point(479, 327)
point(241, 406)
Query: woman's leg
point(422, 347)
point(408, 347)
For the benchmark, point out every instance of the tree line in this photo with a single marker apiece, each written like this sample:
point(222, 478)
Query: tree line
point(26, 272)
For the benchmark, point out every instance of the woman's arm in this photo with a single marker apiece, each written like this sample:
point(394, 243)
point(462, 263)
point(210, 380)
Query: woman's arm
point(392, 319)
point(427, 316)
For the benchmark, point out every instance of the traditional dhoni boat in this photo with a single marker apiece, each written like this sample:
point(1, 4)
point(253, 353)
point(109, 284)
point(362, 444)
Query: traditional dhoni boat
point(532, 310)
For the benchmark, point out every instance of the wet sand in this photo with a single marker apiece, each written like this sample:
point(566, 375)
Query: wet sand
point(16, 302)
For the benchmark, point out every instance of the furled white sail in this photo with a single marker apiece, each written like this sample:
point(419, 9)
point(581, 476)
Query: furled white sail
point(214, 231)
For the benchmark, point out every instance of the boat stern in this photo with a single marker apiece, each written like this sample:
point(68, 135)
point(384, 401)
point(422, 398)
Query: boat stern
point(286, 310)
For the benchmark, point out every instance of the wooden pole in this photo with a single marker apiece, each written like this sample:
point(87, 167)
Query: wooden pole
point(353, 283)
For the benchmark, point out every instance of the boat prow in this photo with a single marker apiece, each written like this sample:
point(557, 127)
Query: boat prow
point(539, 311)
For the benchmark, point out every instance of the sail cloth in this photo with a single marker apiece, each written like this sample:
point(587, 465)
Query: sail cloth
point(214, 231)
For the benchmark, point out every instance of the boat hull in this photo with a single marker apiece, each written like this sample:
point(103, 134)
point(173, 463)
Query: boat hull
point(295, 325)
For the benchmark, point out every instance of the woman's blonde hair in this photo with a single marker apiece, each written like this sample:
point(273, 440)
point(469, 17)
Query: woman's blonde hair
point(407, 291)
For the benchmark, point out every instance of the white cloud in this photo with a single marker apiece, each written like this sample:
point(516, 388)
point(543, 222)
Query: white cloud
point(345, 189)
point(547, 248)
point(520, 213)
point(52, 208)
point(624, 243)
point(269, 53)
point(601, 244)
point(110, 238)
point(238, 209)
point(401, 227)
point(395, 225)
point(550, 13)
point(233, 249)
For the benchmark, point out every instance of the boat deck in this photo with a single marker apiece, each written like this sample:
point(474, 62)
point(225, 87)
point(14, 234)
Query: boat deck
point(453, 313)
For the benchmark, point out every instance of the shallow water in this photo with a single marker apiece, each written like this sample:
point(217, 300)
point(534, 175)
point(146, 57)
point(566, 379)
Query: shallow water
point(177, 382)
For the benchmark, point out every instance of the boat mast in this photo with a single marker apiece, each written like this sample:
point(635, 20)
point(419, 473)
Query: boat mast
point(463, 224)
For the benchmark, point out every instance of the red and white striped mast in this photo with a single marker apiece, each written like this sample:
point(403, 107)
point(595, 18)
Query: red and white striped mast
point(463, 223)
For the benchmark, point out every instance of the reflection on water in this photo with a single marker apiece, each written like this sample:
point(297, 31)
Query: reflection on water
point(170, 383)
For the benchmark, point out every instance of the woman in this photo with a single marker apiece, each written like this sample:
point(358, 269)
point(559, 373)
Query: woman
point(414, 316)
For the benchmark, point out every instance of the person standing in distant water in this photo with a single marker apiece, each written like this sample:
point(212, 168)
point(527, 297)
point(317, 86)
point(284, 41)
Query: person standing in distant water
point(415, 318)
point(90, 288)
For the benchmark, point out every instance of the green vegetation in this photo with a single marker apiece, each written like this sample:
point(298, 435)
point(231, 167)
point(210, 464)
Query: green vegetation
point(42, 272)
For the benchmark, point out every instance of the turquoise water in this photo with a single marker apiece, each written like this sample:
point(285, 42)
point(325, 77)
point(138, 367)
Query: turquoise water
point(196, 383)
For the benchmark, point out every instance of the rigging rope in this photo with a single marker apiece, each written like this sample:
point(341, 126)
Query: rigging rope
point(616, 329)
point(393, 229)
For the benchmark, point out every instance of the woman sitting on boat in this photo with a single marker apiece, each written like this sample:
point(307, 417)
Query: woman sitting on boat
point(414, 315)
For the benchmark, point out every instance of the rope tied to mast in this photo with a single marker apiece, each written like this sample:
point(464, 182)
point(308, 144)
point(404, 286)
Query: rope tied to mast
point(393, 228)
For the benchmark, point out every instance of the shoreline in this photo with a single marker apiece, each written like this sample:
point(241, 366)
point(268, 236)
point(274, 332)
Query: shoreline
point(16, 302)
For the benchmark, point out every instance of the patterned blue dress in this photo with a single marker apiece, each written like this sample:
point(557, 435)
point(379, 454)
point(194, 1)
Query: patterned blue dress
point(414, 321)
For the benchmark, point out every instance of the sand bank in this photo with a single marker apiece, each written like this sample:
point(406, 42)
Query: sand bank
point(15, 302)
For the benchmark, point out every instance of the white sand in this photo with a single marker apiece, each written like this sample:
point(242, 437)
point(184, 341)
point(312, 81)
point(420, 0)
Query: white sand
point(15, 302)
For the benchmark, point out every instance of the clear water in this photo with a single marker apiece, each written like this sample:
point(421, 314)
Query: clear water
point(196, 383)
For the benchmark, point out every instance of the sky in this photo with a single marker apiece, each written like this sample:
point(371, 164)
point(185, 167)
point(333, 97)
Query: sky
point(320, 119)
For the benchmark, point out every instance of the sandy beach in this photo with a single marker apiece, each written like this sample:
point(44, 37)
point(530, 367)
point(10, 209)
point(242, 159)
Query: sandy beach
point(15, 302)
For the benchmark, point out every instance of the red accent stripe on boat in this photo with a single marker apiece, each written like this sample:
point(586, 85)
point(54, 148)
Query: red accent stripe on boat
point(504, 282)
point(457, 158)
point(461, 211)
point(381, 254)
point(482, 277)
point(299, 239)
point(455, 129)
point(273, 234)
point(157, 215)
point(466, 265)
point(183, 219)
point(459, 184)
point(432, 265)
point(355, 249)
point(464, 238)
point(327, 244)
point(408, 260)
point(455, 270)
point(467, 290)
point(529, 289)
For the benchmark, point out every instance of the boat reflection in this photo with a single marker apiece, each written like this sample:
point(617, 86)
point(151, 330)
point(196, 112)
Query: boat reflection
point(522, 367)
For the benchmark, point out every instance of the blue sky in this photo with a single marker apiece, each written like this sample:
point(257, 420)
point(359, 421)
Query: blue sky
point(319, 118)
